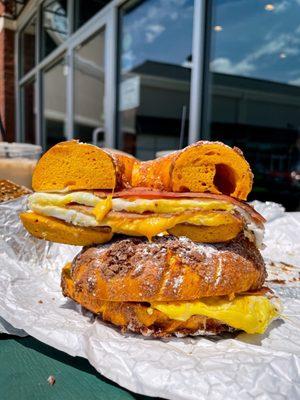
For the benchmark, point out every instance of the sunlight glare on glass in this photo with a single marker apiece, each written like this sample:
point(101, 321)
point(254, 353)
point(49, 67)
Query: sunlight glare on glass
point(218, 28)
point(269, 7)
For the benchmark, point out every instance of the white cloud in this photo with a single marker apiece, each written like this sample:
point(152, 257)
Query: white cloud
point(287, 43)
point(128, 56)
point(153, 31)
point(273, 47)
point(156, 28)
point(160, 13)
point(226, 66)
point(292, 51)
point(128, 59)
point(295, 82)
point(281, 6)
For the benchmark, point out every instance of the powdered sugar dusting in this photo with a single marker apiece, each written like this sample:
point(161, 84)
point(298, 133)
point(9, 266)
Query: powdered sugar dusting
point(177, 282)
point(138, 268)
point(191, 249)
point(219, 271)
point(208, 249)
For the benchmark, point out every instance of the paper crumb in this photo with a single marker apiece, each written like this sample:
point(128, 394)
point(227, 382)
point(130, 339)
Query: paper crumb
point(51, 380)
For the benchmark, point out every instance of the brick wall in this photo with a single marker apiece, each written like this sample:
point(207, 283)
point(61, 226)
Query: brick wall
point(7, 83)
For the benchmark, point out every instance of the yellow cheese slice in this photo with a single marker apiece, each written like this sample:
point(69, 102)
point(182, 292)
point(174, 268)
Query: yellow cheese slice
point(251, 314)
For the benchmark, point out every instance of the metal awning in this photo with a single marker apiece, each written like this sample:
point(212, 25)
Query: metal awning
point(11, 9)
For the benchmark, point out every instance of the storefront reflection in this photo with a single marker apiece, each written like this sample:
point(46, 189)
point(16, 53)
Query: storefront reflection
point(154, 75)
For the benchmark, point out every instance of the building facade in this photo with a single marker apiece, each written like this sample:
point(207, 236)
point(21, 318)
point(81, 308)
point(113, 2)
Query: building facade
point(151, 75)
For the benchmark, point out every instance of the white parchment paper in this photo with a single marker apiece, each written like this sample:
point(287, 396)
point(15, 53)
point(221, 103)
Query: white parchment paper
point(242, 367)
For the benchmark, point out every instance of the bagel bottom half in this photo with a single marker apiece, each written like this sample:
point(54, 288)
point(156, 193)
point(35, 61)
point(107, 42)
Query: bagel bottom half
point(55, 230)
point(208, 234)
point(172, 285)
point(141, 318)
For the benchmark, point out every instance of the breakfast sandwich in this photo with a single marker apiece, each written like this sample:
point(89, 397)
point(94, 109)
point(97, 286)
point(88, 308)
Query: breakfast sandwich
point(84, 195)
point(171, 246)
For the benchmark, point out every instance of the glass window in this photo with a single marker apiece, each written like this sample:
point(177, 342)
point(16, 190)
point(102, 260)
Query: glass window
point(255, 90)
point(154, 75)
point(29, 110)
point(55, 26)
point(86, 9)
point(89, 89)
point(27, 47)
point(55, 103)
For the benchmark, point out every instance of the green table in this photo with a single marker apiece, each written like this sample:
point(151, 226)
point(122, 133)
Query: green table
point(26, 364)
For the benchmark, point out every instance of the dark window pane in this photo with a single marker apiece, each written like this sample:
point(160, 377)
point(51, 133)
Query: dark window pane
point(254, 92)
point(29, 110)
point(154, 82)
point(89, 89)
point(86, 9)
point(55, 25)
point(55, 103)
point(27, 47)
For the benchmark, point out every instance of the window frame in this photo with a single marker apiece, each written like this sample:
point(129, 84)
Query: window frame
point(107, 19)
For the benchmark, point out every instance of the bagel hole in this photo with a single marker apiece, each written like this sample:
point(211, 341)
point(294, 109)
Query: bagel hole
point(224, 179)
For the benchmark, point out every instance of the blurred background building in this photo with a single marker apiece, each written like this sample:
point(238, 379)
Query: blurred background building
point(145, 76)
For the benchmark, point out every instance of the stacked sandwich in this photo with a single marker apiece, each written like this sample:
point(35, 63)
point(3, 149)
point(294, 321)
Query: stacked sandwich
point(170, 245)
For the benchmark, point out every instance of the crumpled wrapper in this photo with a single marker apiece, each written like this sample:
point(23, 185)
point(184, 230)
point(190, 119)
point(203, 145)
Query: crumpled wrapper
point(235, 366)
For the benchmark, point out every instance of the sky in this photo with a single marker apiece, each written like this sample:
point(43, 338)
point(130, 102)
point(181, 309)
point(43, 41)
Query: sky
point(257, 42)
point(157, 30)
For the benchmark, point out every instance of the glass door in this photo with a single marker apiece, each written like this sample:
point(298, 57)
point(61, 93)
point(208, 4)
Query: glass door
point(54, 101)
point(89, 87)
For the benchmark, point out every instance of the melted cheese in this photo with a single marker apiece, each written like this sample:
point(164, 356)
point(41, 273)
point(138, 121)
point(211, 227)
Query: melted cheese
point(149, 227)
point(251, 314)
point(102, 208)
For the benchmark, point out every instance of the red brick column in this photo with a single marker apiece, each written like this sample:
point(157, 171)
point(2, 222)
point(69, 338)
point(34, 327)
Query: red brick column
point(7, 83)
